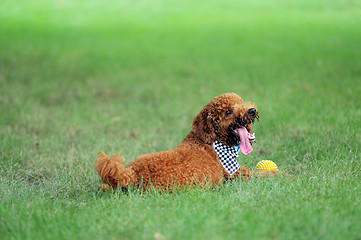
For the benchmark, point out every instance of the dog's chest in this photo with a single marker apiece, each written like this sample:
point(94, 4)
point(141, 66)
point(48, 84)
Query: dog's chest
point(227, 156)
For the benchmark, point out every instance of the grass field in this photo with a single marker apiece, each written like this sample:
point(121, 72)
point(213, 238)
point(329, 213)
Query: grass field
point(129, 76)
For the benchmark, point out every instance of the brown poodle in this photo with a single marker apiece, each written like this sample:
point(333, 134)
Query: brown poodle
point(205, 157)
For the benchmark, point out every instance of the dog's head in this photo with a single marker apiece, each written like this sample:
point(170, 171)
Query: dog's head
point(224, 118)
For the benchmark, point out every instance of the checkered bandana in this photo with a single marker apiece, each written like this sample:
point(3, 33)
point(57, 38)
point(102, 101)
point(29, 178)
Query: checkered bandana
point(227, 155)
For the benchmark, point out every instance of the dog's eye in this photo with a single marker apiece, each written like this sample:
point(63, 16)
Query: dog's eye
point(229, 112)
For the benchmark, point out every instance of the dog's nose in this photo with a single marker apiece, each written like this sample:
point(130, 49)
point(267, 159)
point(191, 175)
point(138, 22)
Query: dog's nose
point(252, 112)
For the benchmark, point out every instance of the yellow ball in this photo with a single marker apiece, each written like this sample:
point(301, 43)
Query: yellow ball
point(266, 165)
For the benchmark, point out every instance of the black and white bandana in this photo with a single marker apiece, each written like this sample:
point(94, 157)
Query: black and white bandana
point(228, 156)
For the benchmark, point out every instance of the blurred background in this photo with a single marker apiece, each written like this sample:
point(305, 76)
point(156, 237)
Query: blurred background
point(95, 72)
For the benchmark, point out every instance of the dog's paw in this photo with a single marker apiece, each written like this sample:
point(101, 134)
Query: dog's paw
point(105, 187)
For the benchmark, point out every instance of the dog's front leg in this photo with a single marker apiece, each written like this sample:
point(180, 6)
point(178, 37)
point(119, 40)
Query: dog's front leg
point(243, 172)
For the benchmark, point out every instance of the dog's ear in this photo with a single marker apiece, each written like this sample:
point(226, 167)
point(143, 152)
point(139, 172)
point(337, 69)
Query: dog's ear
point(203, 126)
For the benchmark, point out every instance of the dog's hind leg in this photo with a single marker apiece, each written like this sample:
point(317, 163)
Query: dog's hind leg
point(112, 172)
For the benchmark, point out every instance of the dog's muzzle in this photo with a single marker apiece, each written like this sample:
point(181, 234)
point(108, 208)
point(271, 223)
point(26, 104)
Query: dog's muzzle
point(252, 112)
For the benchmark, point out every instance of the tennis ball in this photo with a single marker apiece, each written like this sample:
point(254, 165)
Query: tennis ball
point(266, 165)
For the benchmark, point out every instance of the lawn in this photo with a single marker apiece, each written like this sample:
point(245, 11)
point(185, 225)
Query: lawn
point(129, 76)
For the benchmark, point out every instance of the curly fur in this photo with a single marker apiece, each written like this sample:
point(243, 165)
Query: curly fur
point(193, 162)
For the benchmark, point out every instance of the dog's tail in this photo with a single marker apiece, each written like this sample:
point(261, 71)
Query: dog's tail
point(112, 172)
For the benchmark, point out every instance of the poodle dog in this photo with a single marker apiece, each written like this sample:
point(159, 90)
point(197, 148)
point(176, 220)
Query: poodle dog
point(206, 156)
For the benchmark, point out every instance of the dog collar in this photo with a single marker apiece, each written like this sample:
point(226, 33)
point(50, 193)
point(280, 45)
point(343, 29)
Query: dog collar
point(227, 156)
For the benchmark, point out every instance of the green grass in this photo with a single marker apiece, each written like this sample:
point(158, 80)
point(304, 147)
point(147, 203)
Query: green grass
point(129, 76)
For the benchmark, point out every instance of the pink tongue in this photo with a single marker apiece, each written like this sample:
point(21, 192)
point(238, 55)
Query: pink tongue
point(245, 145)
